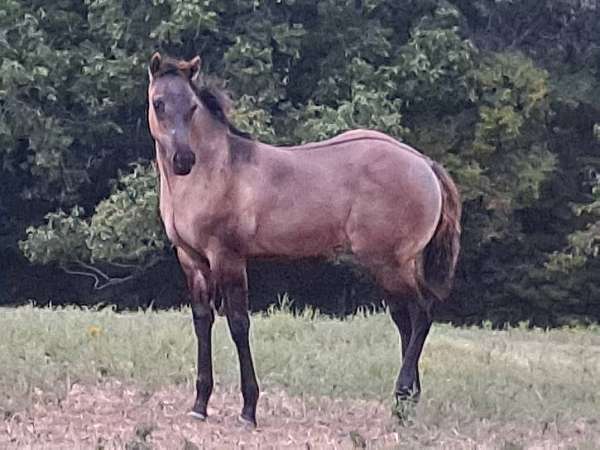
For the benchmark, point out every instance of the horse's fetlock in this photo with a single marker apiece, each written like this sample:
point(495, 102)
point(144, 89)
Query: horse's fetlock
point(251, 392)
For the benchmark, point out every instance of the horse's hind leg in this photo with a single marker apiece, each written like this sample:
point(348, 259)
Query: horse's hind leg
point(400, 316)
point(198, 280)
point(408, 384)
point(412, 321)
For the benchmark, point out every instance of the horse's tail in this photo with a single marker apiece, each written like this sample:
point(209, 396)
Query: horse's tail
point(441, 254)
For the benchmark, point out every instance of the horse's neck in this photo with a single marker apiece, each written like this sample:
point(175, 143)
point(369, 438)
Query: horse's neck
point(209, 179)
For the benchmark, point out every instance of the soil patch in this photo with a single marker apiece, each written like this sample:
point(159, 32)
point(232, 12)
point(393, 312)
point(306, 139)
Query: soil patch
point(116, 415)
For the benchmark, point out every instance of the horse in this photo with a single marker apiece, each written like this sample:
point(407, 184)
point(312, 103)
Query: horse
point(226, 197)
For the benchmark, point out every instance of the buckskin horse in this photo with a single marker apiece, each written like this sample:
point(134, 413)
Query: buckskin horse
point(226, 197)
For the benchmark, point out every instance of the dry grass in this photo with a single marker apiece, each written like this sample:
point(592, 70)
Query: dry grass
point(118, 416)
point(73, 378)
point(114, 416)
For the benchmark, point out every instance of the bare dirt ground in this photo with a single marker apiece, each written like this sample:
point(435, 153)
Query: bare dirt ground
point(124, 417)
point(117, 416)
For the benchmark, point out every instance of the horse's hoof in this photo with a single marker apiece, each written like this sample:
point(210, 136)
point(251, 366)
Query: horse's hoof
point(197, 415)
point(405, 394)
point(247, 421)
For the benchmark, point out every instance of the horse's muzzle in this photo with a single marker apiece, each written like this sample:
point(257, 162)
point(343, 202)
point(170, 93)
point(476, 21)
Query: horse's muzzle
point(183, 162)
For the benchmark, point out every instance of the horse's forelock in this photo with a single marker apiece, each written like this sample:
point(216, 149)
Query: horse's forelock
point(176, 67)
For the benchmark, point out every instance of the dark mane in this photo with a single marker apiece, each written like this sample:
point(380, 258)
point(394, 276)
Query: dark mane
point(217, 101)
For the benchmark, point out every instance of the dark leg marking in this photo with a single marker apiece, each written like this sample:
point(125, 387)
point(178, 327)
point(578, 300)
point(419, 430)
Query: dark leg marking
point(239, 326)
point(408, 385)
point(400, 316)
point(203, 321)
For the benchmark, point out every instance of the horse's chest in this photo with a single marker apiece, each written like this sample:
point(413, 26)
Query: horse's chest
point(192, 218)
point(168, 219)
point(185, 227)
point(173, 222)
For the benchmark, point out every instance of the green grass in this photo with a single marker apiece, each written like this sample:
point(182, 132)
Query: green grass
point(516, 375)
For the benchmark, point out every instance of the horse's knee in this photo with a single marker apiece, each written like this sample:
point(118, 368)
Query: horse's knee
point(202, 313)
point(239, 325)
point(235, 297)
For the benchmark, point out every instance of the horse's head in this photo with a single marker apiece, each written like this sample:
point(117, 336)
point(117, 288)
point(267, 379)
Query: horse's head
point(189, 120)
point(172, 105)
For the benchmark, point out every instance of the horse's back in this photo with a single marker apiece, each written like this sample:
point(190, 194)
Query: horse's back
point(355, 139)
point(360, 185)
point(370, 161)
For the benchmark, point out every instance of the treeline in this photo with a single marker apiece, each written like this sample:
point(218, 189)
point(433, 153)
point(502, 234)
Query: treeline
point(505, 94)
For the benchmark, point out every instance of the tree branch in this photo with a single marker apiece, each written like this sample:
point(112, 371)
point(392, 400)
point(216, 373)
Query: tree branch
point(101, 279)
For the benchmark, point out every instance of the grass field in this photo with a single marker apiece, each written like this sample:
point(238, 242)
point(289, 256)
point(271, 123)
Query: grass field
point(326, 383)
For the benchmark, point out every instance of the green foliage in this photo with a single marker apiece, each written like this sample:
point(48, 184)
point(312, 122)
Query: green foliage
point(367, 107)
point(247, 116)
point(62, 238)
point(582, 244)
point(495, 90)
point(434, 67)
point(61, 95)
point(511, 134)
point(124, 226)
point(185, 16)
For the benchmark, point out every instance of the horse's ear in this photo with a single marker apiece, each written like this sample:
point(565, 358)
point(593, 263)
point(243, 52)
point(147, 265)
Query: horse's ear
point(154, 66)
point(195, 64)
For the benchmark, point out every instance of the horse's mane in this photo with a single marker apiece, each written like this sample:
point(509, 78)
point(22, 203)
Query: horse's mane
point(216, 100)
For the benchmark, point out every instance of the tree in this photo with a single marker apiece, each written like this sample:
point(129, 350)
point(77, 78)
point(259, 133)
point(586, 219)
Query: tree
point(503, 93)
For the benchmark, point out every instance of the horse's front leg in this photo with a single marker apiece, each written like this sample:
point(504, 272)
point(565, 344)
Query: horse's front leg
point(234, 284)
point(201, 292)
point(203, 317)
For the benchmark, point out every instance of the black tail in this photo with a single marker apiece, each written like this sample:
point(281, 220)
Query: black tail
point(441, 254)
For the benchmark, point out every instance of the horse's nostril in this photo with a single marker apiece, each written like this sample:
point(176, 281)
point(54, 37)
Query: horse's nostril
point(183, 162)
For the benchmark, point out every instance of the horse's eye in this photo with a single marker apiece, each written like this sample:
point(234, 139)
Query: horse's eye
point(159, 106)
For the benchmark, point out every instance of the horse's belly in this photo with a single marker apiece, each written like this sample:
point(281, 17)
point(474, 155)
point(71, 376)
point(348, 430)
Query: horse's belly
point(308, 235)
